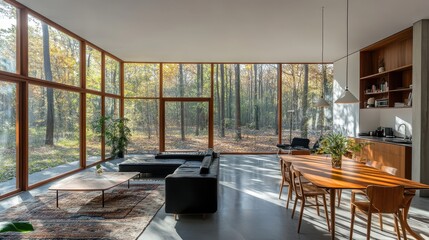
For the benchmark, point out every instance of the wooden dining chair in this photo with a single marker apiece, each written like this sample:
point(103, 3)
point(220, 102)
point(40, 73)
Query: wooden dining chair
point(389, 170)
point(286, 181)
point(382, 199)
point(304, 191)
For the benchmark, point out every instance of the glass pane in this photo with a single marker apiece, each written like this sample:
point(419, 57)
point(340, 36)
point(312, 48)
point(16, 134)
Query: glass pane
point(302, 85)
point(141, 80)
point(93, 141)
point(8, 15)
point(112, 76)
point(245, 107)
point(52, 54)
point(93, 68)
point(144, 125)
point(186, 126)
point(186, 80)
point(53, 132)
point(8, 156)
point(111, 109)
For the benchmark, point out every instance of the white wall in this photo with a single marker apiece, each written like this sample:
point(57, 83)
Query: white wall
point(370, 119)
point(346, 116)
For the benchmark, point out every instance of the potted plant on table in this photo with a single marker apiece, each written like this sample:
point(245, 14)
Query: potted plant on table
point(117, 134)
point(336, 144)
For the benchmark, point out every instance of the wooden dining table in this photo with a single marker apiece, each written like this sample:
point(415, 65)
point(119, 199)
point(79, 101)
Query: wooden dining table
point(353, 175)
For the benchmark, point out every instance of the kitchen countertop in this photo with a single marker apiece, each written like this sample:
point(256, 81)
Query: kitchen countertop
point(385, 140)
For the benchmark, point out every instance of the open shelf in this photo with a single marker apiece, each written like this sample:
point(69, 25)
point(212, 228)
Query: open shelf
point(399, 69)
point(394, 54)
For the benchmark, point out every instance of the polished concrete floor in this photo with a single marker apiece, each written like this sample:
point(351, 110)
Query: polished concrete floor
point(249, 208)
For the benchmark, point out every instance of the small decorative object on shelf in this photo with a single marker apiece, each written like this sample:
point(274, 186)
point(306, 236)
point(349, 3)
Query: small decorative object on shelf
point(98, 169)
point(381, 65)
point(370, 103)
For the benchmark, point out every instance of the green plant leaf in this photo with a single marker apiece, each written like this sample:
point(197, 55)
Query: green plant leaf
point(22, 227)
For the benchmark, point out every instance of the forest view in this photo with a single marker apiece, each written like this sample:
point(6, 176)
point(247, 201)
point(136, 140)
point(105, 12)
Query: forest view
point(245, 102)
point(245, 105)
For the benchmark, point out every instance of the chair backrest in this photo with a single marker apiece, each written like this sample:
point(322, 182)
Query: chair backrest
point(385, 199)
point(296, 182)
point(287, 175)
point(389, 170)
point(300, 142)
point(373, 164)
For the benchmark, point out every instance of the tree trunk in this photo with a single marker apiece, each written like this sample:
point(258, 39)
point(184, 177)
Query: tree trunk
point(230, 94)
point(237, 103)
point(304, 125)
point(222, 101)
point(182, 106)
point(255, 98)
point(199, 80)
point(49, 138)
point(217, 99)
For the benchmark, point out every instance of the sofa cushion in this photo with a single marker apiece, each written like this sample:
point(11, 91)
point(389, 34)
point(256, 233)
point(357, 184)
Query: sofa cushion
point(196, 164)
point(205, 165)
point(181, 155)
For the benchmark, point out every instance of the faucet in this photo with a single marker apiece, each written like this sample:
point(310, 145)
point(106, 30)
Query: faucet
point(405, 129)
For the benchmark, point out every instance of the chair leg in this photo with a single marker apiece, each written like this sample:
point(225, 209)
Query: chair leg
point(397, 231)
point(281, 188)
point(289, 196)
point(326, 213)
point(317, 206)
point(352, 221)
point(339, 192)
point(368, 227)
point(294, 207)
point(380, 218)
point(401, 222)
point(301, 213)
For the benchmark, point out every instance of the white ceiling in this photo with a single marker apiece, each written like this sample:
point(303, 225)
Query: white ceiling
point(230, 30)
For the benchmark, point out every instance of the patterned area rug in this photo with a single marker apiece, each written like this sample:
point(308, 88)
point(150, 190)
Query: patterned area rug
point(125, 215)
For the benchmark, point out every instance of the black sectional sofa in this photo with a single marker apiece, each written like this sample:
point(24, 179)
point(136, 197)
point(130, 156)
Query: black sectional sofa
point(191, 186)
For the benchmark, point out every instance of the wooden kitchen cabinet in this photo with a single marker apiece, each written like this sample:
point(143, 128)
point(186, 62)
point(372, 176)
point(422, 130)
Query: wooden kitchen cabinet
point(387, 154)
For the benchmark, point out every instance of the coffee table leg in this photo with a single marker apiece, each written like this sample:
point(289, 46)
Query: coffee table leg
point(102, 197)
point(332, 207)
point(128, 183)
point(57, 198)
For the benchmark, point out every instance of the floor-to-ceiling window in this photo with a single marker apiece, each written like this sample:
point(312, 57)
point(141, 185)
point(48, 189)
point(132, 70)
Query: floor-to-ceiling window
point(246, 113)
point(302, 84)
point(8, 150)
point(186, 89)
point(93, 61)
point(8, 37)
point(142, 106)
point(53, 114)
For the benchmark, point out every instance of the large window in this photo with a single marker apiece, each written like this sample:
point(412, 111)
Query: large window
point(8, 157)
point(144, 124)
point(8, 30)
point(93, 115)
point(186, 126)
point(111, 109)
point(52, 54)
point(93, 68)
point(53, 132)
point(246, 107)
point(186, 80)
point(142, 80)
point(112, 74)
point(302, 85)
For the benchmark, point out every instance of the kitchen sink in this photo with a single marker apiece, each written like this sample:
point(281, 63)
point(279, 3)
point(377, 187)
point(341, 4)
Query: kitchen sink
point(398, 140)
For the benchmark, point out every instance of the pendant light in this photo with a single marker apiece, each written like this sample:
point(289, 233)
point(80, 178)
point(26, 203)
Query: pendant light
point(347, 96)
point(321, 102)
